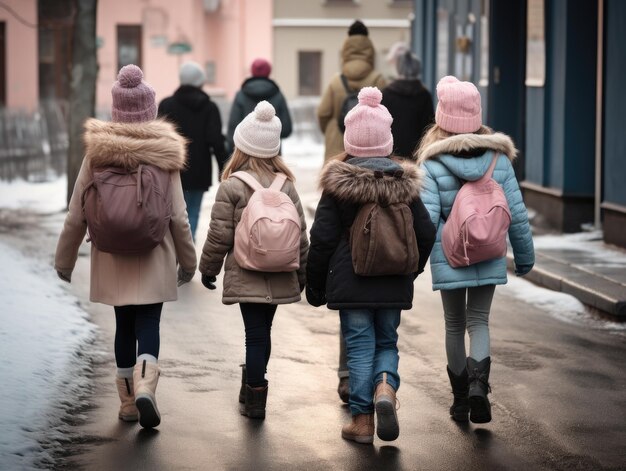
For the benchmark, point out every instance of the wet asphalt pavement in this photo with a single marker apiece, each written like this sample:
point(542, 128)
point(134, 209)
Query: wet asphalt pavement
point(558, 396)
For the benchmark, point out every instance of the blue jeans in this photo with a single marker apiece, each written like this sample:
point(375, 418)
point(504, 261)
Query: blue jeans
point(136, 332)
point(372, 345)
point(193, 199)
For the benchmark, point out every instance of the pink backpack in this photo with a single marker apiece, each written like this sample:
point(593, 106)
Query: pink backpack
point(478, 223)
point(267, 237)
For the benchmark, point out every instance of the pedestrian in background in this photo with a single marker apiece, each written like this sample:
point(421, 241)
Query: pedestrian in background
point(369, 306)
point(255, 89)
point(198, 119)
point(458, 149)
point(257, 143)
point(358, 58)
point(135, 285)
point(410, 105)
point(357, 66)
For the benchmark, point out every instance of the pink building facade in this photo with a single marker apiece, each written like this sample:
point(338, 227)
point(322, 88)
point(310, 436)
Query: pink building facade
point(223, 36)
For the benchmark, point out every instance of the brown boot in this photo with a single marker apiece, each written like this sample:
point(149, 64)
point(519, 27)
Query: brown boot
point(128, 411)
point(387, 427)
point(255, 401)
point(360, 429)
point(146, 377)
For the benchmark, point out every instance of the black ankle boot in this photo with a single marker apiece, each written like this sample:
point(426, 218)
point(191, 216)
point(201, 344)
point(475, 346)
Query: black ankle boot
point(478, 371)
point(242, 390)
point(254, 407)
point(460, 388)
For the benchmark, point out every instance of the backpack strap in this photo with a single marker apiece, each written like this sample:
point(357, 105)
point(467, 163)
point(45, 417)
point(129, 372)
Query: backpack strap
point(344, 82)
point(489, 173)
point(248, 180)
point(278, 182)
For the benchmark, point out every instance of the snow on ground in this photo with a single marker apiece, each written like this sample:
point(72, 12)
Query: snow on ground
point(42, 330)
point(590, 242)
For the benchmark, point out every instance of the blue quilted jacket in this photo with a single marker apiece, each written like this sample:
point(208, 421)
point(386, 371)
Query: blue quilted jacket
point(467, 157)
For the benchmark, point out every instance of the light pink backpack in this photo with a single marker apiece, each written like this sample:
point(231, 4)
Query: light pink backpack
point(478, 223)
point(267, 237)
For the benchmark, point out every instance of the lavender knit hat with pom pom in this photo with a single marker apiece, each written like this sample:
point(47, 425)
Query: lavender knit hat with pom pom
point(259, 132)
point(133, 99)
point(368, 126)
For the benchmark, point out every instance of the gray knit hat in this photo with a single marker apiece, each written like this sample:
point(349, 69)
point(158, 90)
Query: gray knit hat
point(408, 66)
point(259, 132)
point(191, 73)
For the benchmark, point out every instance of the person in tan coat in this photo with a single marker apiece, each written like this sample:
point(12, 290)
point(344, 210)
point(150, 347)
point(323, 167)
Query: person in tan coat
point(257, 143)
point(357, 65)
point(136, 285)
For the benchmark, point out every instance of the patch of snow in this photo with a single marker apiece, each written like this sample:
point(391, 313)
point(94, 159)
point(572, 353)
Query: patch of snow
point(45, 197)
point(42, 333)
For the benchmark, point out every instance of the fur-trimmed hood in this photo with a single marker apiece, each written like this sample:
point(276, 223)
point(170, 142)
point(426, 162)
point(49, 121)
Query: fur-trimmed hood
point(128, 145)
point(459, 143)
point(365, 180)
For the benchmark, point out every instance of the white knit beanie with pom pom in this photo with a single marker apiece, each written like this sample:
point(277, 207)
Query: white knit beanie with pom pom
point(368, 126)
point(259, 132)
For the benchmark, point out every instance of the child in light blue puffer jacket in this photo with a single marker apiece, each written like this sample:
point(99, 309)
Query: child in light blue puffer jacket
point(456, 149)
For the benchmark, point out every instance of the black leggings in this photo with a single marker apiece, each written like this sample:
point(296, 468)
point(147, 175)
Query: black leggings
point(137, 332)
point(257, 319)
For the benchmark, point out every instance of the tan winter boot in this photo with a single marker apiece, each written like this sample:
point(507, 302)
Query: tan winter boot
point(360, 429)
point(146, 377)
point(128, 410)
point(387, 427)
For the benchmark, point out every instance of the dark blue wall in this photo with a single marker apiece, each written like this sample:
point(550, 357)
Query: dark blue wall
point(561, 118)
point(615, 103)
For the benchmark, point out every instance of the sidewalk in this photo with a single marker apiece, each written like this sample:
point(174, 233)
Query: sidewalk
point(583, 266)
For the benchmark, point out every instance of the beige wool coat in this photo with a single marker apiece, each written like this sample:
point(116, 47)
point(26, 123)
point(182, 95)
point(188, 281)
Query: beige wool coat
point(358, 57)
point(246, 286)
point(120, 280)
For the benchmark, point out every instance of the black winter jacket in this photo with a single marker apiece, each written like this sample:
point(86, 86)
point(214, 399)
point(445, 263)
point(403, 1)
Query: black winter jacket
point(198, 119)
point(346, 186)
point(411, 106)
point(254, 90)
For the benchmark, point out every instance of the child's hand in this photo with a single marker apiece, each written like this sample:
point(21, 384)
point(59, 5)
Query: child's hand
point(184, 276)
point(65, 275)
point(209, 281)
point(315, 297)
point(521, 270)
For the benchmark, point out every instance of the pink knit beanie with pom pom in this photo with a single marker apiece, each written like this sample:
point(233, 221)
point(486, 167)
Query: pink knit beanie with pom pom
point(133, 99)
point(368, 126)
point(458, 109)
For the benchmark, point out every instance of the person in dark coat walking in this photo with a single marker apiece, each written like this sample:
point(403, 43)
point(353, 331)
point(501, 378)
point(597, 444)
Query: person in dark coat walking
point(255, 89)
point(198, 119)
point(369, 306)
point(410, 105)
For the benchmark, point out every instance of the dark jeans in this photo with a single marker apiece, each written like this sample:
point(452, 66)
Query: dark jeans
point(257, 319)
point(136, 332)
point(193, 200)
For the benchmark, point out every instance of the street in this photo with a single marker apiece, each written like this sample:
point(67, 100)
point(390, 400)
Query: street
point(558, 391)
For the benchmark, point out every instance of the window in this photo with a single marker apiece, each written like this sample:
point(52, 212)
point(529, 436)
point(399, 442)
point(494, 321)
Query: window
point(536, 45)
point(128, 45)
point(309, 73)
point(3, 96)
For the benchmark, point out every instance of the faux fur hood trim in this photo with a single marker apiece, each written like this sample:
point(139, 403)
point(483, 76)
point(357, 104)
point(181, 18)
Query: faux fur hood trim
point(128, 145)
point(459, 143)
point(354, 184)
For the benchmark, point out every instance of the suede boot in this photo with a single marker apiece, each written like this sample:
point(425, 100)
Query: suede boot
point(344, 389)
point(460, 388)
point(242, 390)
point(146, 377)
point(360, 429)
point(128, 411)
point(478, 371)
point(387, 427)
point(256, 399)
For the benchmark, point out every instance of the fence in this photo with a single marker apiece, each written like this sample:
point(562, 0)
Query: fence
point(33, 145)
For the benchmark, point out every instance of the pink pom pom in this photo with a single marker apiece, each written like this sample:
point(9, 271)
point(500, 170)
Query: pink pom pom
point(130, 76)
point(370, 96)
